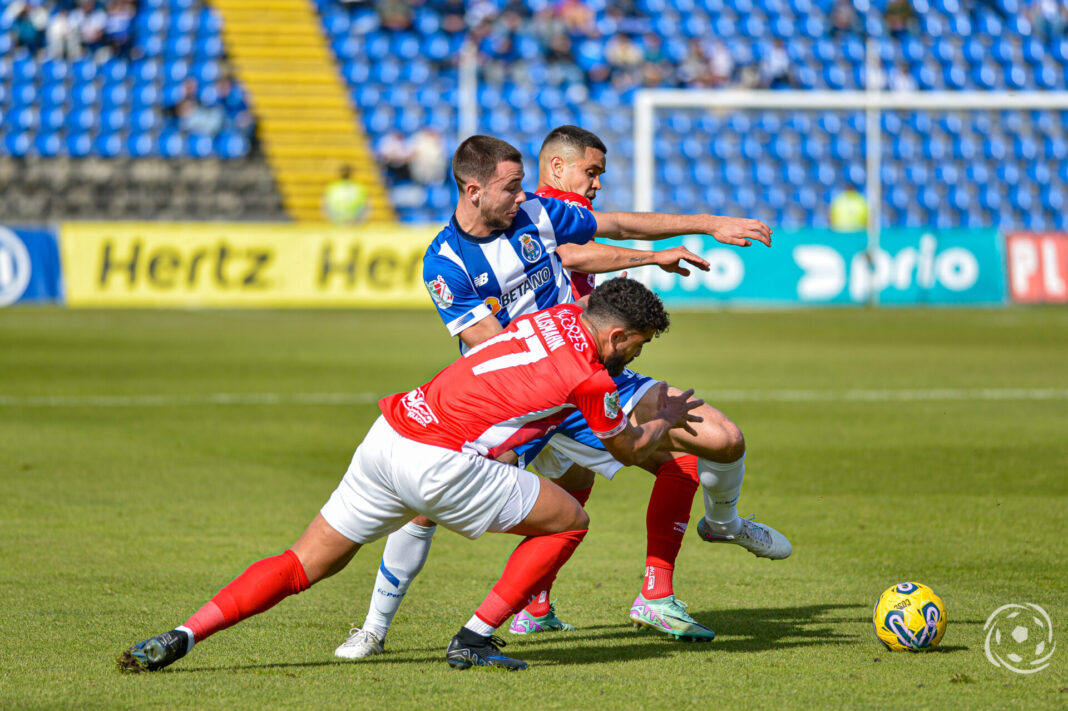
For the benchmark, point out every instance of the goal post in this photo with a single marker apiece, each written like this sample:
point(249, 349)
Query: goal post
point(873, 103)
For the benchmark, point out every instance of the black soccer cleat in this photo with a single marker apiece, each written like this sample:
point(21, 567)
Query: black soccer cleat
point(155, 653)
point(468, 649)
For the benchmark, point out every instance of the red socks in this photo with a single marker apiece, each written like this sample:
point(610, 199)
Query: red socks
point(666, 520)
point(262, 586)
point(531, 568)
point(539, 606)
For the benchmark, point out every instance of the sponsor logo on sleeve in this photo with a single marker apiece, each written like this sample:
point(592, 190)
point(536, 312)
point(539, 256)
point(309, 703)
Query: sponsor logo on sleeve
point(440, 292)
point(416, 408)
point(611, 405)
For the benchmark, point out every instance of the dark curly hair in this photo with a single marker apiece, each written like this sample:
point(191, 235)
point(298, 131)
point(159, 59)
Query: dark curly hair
point(628, 302)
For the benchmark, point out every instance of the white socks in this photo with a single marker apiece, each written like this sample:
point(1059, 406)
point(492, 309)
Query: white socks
point(402, 559)
point(190, 641)
point(721, 484)
point(479, 627)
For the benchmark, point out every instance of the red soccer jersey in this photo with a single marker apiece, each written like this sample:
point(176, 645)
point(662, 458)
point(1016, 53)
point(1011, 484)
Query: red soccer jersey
point(581, 283)
point(512, 388)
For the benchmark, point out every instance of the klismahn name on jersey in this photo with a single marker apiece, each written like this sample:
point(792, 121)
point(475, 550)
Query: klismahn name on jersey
point(533, 281)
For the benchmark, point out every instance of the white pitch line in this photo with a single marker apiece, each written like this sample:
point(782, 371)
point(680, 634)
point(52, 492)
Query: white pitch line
point(712, 396)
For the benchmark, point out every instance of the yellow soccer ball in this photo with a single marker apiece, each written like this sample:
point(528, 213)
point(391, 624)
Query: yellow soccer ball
point(909, 617)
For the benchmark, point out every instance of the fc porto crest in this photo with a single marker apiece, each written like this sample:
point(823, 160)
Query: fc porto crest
point(611, 404)
point(440, 292)
point(531, 249)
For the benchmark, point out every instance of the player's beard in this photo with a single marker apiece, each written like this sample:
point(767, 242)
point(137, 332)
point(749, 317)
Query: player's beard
point(615, 364)
point(499, 221)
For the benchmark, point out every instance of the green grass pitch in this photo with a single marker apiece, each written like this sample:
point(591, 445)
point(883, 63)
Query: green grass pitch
point(147, 457)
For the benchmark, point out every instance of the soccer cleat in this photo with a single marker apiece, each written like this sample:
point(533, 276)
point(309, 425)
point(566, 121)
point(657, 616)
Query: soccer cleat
point(360, 645)
point(525, 623)
point(759, 539)
point(668, 615)
point(155, 653)
point(468, 650)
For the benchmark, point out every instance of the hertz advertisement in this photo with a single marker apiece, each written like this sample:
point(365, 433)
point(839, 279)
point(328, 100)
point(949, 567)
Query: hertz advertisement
point(243, 265)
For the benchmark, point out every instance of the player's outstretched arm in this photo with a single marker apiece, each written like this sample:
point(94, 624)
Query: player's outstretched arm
point(739, 231)
point(636, 443)
point(484, 329)
point(598, 258)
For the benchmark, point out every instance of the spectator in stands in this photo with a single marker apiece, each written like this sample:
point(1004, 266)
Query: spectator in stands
point(28, 27)
point(578, 17)
point(900, 18)
point(849, 211)
point(62, 40)
point(1048, 17)
point(428, 158)
point(118, 26)
point(235, 108)
point(901, 78)
point(91, 22)
point(844, 18)
point(775, 67)
point(395, 15)
point(624, 56)
point(451, 13)
point(345, 200)
point(395, 155)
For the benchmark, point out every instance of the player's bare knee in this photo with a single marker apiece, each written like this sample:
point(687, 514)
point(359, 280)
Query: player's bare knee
point(581, 520)
point(733, 442)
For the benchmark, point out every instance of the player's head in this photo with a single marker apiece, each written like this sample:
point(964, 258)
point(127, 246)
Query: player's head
point(624, 316)
point(572, 159)
point(489, 176)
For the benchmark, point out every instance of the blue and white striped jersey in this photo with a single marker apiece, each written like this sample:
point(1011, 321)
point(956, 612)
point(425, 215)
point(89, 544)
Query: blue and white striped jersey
point(510, 273)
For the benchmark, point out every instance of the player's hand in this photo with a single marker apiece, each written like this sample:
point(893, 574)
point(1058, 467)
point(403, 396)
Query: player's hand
point(670, 260)
point(740, 231)
point(678, 409)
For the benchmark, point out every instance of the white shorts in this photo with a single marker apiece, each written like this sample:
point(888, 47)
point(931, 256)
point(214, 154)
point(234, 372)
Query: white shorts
point(392, 478)
point(574, 445)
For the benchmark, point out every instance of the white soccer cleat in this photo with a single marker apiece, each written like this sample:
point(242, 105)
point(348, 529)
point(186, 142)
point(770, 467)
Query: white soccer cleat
point(760, 540)
point(360, 645)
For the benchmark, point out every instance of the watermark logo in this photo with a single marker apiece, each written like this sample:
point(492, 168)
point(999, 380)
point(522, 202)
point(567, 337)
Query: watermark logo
point(1019, 637)
point(15, 267)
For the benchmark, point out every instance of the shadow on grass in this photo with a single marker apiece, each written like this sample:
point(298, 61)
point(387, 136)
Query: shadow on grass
point(740, 630)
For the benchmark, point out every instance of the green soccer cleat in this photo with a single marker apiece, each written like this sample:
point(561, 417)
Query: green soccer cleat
point(668, 615)
point(525, 623)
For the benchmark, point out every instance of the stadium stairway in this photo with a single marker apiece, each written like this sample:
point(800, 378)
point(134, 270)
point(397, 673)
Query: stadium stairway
point(307, 126)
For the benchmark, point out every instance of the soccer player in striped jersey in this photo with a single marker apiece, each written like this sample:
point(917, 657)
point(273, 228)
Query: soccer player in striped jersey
point(511, 252)
point(431, 452)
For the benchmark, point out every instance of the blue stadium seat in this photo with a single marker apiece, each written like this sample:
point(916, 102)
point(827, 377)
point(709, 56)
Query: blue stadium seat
point(231, 144)
point(78, 144)
point(48, 144)
point(114, 119)
point(53, 119)
point(140, 145)
point(108, 145)
point(17, 143)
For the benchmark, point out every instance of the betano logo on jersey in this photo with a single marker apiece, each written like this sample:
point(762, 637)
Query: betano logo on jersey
point(611, 404)
point(439, 292)
point(531, 249)
point(494, 303)
point(532, 282)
